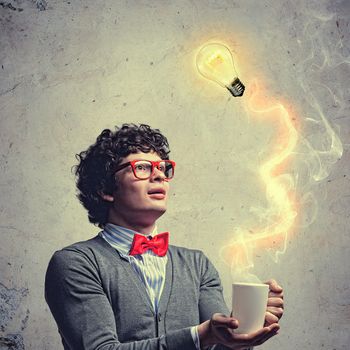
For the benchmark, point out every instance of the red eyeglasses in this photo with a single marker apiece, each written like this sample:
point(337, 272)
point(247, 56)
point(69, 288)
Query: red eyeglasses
point(144, 169)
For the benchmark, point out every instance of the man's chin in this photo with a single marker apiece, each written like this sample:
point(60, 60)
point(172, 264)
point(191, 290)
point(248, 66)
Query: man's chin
point(157, 210)
point(157, 204)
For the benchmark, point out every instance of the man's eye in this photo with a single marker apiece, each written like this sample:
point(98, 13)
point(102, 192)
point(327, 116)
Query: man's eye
point(142, 167)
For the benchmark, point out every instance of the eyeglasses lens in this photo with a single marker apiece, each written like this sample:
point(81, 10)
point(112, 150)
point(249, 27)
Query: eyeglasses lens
point(167, 169)
point(143, 169)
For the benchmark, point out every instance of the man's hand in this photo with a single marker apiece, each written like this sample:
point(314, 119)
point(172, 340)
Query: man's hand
point(219, 330)
point(274, 310)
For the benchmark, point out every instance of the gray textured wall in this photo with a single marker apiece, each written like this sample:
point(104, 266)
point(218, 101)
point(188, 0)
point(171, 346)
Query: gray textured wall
point(72, 68)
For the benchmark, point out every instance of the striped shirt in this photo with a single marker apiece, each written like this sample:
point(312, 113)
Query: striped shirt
point(149, 267)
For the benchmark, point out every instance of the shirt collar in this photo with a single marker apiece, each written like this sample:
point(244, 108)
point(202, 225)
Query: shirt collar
point(121, 238)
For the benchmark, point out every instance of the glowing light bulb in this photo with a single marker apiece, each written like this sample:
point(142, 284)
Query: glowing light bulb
point(214, 61)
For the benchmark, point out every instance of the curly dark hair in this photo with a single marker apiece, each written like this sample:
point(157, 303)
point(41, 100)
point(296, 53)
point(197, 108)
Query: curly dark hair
point(95, 171)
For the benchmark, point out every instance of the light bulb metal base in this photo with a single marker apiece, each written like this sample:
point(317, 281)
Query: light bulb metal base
point(236, 88)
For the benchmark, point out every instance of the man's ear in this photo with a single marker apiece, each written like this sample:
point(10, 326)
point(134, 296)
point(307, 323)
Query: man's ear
point(106, 197)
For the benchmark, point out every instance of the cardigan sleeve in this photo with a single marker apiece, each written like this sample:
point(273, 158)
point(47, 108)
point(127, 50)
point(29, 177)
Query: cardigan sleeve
point(211, 299)
point(83, 313)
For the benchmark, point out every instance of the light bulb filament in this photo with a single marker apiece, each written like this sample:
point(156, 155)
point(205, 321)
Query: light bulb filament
point(215, 60)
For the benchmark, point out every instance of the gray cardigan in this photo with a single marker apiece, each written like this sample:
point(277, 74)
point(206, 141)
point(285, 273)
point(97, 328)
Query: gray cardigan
point(99, 302)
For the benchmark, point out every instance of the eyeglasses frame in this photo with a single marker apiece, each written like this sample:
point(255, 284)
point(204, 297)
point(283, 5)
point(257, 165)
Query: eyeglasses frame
point(155, 164)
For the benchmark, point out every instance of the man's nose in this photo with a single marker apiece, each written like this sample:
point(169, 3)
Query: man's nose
point(158, 174)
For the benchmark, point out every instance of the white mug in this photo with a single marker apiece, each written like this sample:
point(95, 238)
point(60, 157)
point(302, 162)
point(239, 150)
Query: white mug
point(249, 302)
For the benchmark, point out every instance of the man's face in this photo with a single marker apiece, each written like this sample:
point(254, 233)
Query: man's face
point(134, 197)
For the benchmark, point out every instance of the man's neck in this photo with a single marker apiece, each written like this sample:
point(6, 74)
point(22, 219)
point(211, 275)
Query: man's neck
point(140, 222)
point(143, 227)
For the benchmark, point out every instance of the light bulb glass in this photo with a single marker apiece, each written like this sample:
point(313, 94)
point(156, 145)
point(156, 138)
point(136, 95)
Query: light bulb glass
point(214, 61)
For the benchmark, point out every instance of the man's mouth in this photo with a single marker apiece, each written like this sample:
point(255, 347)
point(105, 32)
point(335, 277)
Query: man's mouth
point(157, 193)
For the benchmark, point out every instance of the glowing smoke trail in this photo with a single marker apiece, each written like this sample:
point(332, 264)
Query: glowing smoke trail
point(281, 213)
point(306, 145)
point(311, 152)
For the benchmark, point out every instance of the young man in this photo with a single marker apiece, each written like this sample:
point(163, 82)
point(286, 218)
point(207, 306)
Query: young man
point(126, 288)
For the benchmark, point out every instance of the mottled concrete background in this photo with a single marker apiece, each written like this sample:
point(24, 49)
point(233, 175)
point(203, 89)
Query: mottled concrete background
point(72, 68)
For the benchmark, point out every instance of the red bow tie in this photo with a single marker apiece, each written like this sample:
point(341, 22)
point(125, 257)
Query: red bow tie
point(158, 244)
